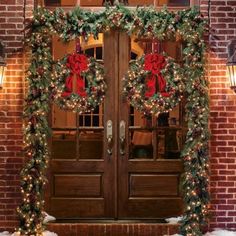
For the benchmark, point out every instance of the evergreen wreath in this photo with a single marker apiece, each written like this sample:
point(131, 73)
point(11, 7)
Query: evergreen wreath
point(89, 77)
point(148, 73)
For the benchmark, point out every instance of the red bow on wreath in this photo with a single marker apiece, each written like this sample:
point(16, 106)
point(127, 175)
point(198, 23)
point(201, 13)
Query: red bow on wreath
point(77, 63)
point(155, 63)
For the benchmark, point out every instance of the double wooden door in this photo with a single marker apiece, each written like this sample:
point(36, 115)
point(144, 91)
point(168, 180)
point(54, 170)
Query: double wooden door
point(112, 164)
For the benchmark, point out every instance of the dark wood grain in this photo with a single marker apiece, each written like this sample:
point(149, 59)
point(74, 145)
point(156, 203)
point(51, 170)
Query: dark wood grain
point(151, 208)
point(78, 185)
point(72, 208)
point(142, 185)
point(91, 2)
point(110, 113)
point(160, 166)
point(141, 2)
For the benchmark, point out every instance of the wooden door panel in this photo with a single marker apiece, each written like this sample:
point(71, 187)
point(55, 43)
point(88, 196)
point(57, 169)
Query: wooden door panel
point(71, 208)
point(155, 208)
point(141, 2)
point(78, 190)
point(77, 167)
point(160, 166)
point(68, 2)
point(78, 185)
point(91, 2)
point(142, 185)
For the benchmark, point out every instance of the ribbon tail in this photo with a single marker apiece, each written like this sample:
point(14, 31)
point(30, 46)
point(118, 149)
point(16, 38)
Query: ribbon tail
point(68, 86)
point(150, 86)
point(162, 86)
point(81, 86)
point(66, 94)
point(165, 94)
point(161, 83)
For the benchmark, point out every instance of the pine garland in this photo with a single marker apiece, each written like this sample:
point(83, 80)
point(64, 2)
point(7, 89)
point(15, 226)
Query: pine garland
point(36, 132)
point(143, 22)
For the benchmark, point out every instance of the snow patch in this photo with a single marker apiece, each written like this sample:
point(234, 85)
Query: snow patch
point(5, 233)
point(220, 232)
point(217, 232)
point(48, 218)
point(45, 233)
point(48, 233)
point(174, 235)
point(174, 220)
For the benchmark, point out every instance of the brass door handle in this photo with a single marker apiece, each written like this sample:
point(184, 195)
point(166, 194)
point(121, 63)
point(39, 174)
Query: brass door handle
point(109, 137)
point(122, 137)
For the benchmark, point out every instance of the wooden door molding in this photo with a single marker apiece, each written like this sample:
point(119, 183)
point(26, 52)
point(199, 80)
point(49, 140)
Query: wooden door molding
point(110, 113)
point(124, 56)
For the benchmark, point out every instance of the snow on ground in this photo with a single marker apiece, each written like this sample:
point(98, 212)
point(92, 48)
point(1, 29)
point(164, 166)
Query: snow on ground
point(217, 232)
point(48, 218)
point(48, 233)
point(174, 220)
point(220, 232)
point(45, 233)
point(5, 233)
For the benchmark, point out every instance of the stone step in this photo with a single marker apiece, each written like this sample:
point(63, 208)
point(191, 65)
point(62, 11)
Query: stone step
point(113, 229)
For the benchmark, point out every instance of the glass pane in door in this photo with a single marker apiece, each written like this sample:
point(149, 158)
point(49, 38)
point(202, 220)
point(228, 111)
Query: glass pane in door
point(169, 134)
point(159, 137)
point(90, 134)
point(140, 136)
point(91, 144)
point(78, 136)
point(156, 137)
point(63, 134)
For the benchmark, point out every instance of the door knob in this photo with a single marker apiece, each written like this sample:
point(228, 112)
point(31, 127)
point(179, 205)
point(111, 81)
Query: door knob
point(109, 137)
point(122, 137)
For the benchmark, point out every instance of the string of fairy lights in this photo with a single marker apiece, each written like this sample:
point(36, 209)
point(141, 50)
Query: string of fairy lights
point(162, 102)
point(143, 22)
point(94, 93)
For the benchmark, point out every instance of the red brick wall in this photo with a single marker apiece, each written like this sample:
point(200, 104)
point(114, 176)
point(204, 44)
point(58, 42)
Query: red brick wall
point(222, 120)
point(11, 104)
point(222, 115)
